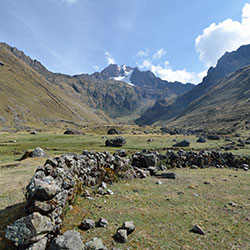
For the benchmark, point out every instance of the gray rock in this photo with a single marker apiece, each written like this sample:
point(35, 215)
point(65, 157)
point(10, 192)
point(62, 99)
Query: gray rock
point(201, 140)
point(194, 167)
point(170, 175)
point(71, 131)
point(183, 143)
point(232, 204)
point(29, 229)
point(213, 137)
point(110, 192)
point(42, 190)
point(94, 244)
point(128, 226)
point(121, 236)
point(113, 131)
point(102, 222)
point(144, 160)
point(87, 224)
point(38, 152)
point(70, 240)
point(40, 245)
point(121, 153)
point(115, 142)
point(197, 229)
point(158, 182)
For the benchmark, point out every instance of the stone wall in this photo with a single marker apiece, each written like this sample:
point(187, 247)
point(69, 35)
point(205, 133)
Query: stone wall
point(55, 184)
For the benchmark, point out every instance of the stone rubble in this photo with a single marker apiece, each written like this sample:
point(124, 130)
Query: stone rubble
point(55, 185)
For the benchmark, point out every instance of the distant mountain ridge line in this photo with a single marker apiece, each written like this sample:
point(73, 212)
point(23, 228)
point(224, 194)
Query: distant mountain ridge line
point(227, 64)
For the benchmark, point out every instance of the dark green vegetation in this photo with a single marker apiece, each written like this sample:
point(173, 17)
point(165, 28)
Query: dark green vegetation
point(164, 214)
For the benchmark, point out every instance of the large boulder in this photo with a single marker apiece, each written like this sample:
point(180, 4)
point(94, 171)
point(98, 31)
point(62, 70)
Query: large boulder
point(71, 131)
point(144, 160)
point(115, 142)
point(183, 143)
point(113, 131)
point(42, 189)
point(37, 152)
point(70, 240)
point(213, 137)
point(29, 229)
point(201, 140)
point(94, 244)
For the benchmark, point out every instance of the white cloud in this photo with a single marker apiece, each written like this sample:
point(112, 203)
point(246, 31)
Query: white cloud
point(109, 58)
point(159, 54)
point(165, 72)
point(228, 36)
point(164, 69)
point(142, 53)
point(69, 1)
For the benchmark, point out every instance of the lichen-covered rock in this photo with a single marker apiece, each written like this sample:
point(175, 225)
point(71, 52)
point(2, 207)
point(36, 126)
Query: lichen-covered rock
point(29, 229)
point(115, 142)
point(42, 189)
point(183, 143)
point(129, 226)
point(40, 245)
point(121, 236)
point(94, 244)
point(87, 224)
point(70, 240)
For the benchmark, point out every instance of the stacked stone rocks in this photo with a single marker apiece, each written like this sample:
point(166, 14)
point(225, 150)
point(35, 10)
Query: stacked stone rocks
point(204, 159)
point(54, 187)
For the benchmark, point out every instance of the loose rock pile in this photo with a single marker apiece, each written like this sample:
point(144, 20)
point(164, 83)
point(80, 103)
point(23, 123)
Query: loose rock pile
point(55, 185)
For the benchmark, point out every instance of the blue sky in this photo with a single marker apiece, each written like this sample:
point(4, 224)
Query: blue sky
point(177, 40)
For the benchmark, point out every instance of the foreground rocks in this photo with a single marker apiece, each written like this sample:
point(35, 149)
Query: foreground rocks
point(55, 185)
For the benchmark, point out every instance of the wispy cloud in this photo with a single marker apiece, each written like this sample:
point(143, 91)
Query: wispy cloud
point(164, 69)
point(159, 54)
point(218, 38)
point(142, 53)
point(109, 58)
point(69, 1)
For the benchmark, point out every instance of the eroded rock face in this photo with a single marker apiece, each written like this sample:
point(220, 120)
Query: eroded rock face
point(29, 229)
point(70, 240)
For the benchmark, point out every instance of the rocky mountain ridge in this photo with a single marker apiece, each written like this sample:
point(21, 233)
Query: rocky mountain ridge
point(103, 99)
point(227, 64)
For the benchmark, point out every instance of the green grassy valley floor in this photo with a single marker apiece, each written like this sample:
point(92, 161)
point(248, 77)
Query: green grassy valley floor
point(163, 214)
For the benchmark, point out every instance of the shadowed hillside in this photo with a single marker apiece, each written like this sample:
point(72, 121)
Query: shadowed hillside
point(227, 64)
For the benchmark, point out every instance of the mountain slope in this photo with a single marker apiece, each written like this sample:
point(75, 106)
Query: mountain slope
point(227, 105)
point(103, 91)
point(228, 63)
point(27, 98)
